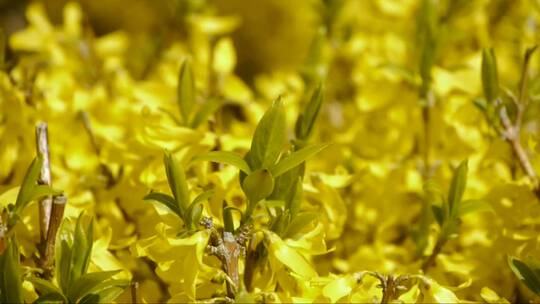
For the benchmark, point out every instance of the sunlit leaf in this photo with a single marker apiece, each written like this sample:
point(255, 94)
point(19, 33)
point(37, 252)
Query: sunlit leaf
point(490, 81)
point(177, 181)
point(525, 274)
point(225, 157)
point(307, 119)
point(166, 200)
point(470, 206)
point(457, 188)
point(10, 275)
point(87, 282)
point(296, 158)
point(269, 137)
point(186, 90)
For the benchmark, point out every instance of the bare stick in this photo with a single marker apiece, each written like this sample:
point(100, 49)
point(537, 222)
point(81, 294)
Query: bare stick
point(511, 134)
point(134, 287)
point(45, 205)
point(57, 214)
point(2, 235)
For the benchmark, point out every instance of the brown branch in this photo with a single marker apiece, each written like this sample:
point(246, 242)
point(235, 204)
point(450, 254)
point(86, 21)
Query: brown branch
point(134, 288)
point(45, 205)
point(57, 214)
point(3, 231)
point(430, 261)
point(227, 248)
point(391, 285)
point(511, 134)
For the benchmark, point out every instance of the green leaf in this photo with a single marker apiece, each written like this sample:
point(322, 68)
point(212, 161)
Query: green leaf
point(166, 200)
point(470, 206)
point(281, 222)
point(306, 120)
point(81, 250)
point(51, 298)
point(525, 274)
point(269, 137)
point(439, 214)
point(10, 275)
point(177, 181)
point(296, 158)
point(186, 90)
point(490, 79)
point(457, 188)
point(258, 185)
point(298, 223)
point(208, 108)
point(40, 191)
point(427, 32)
point(105, 292)
point(29, 189)
point(87, 282)
point(225, 157)
point(203, 196)
point(28, 183)
point(63, 263)
point(47, 290)
point(194, 215)
point(295, 199)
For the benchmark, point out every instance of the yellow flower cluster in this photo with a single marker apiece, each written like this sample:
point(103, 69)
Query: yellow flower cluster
point(395, 132)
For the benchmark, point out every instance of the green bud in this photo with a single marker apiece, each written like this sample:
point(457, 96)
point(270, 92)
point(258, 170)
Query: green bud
point(490, 80)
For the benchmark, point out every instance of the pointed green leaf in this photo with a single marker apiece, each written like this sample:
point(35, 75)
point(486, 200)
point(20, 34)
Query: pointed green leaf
point(40, 191)
point(427, 32)
point(166, 200)
point(457, 188)
point(28, 183)
point(306, 120)
point(490, 81)
point(10, 274)
point(51, 298)
point(203, 197)
point(525, 274)
point(225, 157)
point(62, 263)
point(298, 223)
point(46, 288)
point(186, 90)
point(294, 199)
point(105, 292)
point(194, 215)
point(87, 282)
point(269, 137)
point(177, 181)
point(470, 206)
point(439, 215)
point(206, 110)
point(81, 251)
point(296, 158)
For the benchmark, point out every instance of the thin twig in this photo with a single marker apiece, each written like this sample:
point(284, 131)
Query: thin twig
point(45, 205)
point(431, 259)
point(511, 134)
point(57, 214)
point(512, 131)
point(2, 234)
point(134, 288)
